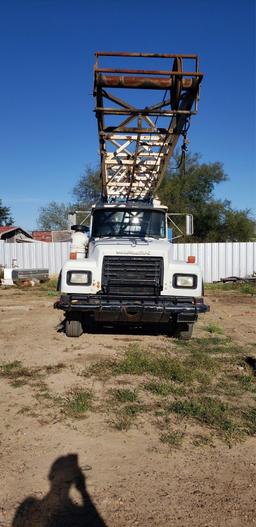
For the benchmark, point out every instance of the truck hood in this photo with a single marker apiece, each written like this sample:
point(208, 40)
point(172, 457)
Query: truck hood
point(129, 246)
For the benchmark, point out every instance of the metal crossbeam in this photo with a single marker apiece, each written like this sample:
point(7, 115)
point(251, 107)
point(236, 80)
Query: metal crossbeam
point(136, 143)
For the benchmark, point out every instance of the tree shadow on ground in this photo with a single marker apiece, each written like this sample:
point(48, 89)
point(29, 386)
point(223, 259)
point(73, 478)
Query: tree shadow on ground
point(57, 508)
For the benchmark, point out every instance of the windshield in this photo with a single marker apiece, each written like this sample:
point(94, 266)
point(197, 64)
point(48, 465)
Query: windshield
point(128, 222)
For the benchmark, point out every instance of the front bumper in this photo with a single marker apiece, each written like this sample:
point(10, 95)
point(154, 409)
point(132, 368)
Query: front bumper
point(111, 308)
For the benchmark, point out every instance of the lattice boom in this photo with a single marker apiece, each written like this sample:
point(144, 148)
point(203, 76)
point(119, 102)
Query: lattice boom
point(137, 142)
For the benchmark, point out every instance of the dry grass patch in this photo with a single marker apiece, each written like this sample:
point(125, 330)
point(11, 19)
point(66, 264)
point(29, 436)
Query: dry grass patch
point(197, 381)
point(207, 382)
point(246, 288)
point(17, 374)
point(124, 395)
point(163, 389)
point(209, 411)
point(76, 403)
point(172, 438)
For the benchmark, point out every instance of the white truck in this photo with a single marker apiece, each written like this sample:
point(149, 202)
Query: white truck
point(121, 269)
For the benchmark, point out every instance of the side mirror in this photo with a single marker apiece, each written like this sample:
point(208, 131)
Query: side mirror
point(80, 228)
point(189, 225)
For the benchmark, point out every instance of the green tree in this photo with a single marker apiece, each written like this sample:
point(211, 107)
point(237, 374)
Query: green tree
point(5, 215)
point(192, 191)
point(54, 216)
point(238, 225)
point(88, 188)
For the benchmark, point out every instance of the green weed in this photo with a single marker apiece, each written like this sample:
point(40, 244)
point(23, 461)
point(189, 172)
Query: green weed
point(200, 379)
point(15, 370)
point(227, 387)
point(25, 410)
point(17, 383)
point(132, 409)
point(164, 389)
point(201, 440)
point(246, 382)
point(54, 368)
point(213, 328)
point(247, 288)
point(126, 415)
point(122, 422)
point(206, 410)
point(250, 421)
point(7, 368)
point(124, 395)
point(138, 362)
point(49, 285)
point(173, 439)
point(76, 403)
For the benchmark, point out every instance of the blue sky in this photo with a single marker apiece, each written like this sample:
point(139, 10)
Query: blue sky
point(48, 131)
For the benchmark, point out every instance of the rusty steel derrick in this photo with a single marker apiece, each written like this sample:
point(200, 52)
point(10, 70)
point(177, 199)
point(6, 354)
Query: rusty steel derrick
point(137, 141)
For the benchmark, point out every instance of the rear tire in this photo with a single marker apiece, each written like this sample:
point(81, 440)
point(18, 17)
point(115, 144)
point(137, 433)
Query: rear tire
point(183, 331)
point(73, 327)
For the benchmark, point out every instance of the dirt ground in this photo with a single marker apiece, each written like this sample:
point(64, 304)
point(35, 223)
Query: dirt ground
point(131, 477)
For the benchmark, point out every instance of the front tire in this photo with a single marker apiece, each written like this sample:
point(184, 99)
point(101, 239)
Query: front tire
point(183, 331)
point(73, 327)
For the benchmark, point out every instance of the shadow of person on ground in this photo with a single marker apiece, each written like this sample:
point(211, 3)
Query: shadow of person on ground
point(57, 509)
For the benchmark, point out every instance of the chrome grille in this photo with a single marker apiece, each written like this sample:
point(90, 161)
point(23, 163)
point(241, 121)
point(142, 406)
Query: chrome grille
point(129, 275)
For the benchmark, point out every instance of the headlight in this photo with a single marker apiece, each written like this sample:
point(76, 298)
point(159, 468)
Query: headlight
point(79, 277)
point(185, 280)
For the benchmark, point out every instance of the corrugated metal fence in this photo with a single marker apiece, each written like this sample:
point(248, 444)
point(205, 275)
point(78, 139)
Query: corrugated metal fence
point(216, 260)
point(36, 255)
